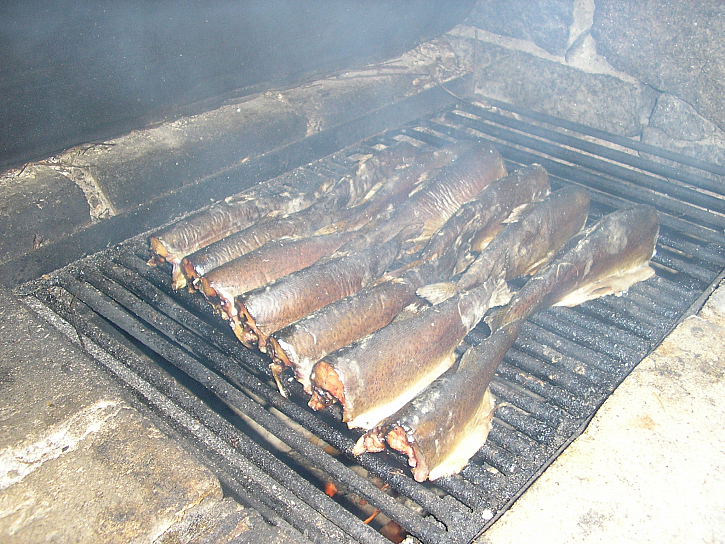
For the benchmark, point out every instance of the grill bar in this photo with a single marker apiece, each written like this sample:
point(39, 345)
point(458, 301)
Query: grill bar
point(562, 139)
point(562, 367)
point(609, 137)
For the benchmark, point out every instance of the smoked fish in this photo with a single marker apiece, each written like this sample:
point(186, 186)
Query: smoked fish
point(432, 203)
point(303, 343)
point(327, 215)
point(523, 245)
point(269, 308)
point(173, 243)
point(443, 427)
point(377, 375)
point(265, 264)
point(607, 258)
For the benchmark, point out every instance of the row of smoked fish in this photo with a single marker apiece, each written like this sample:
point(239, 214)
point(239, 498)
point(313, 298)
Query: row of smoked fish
point(312, 276)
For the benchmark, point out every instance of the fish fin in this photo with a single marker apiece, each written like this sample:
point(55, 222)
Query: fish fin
point(481, 240)
point(409, 311)
point(535, 267)
point(496, 318)
point(331, 228)
point(518, 212)
point(178, 280)
point(472, 439)
point(501, 294)
point(615, 284)
point(435, 293)
point(463, 262)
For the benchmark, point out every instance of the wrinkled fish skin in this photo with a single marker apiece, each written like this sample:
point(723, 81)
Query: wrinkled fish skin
point(435, 201)
point(490, 208)
point(444, 426)
point(300, 224)
point(264, 265)
point(303, 343)
point(396, 180)
point(207, 226)
point(267, 309)
point(351, 189)
point(607, 258)
point(239, 211)
point(378, 374)
point(525, 244)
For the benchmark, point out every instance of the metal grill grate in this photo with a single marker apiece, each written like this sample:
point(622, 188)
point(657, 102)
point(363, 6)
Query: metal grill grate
point(188, 368)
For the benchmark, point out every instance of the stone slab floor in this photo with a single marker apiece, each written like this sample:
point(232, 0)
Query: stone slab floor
point(650, 468)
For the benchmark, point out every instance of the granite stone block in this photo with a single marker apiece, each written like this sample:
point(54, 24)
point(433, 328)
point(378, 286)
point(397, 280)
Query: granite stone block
point(597, 100)
point(544, 22)
point(676, 47)
point(38, 205)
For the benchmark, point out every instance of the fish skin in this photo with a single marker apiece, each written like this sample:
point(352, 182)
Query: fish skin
point(524, 244)
point(490, 208)
point(432, 203)
point(444, 426)
point(266, 264)
point(173, 243)
point(298, 225)
point(303, 343)
point(267, 309)
point(354, 186)
point(396, 180)
point(618, 247)
point(372, 377)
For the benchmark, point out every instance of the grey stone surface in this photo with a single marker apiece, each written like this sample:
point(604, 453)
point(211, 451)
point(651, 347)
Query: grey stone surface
point(216, 522)
point(544, 22)
point(146, 164)
point(598, 100)
point(676, 126)
point(78, 463)
point(650, 467)
point(38, 205)
point(676, 47)
point(680, 121)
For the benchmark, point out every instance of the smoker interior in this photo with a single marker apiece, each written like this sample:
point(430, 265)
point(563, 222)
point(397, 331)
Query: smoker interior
point(187, 369)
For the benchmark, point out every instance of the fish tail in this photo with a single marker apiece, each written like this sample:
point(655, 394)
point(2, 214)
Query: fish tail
point(501, 294)
point(497, 319)
point(435, 293)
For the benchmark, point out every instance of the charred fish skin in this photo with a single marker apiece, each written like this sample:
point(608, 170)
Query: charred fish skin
point(301, 224)
point(267, 309)
point(302, 344)
point(266, 264)
point(444, 426)
point(396, 179)
point(523, 245)
point(607, 258)
point(377, 375)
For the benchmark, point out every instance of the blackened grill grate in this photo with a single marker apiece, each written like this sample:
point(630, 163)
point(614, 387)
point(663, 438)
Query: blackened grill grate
point(166, 345)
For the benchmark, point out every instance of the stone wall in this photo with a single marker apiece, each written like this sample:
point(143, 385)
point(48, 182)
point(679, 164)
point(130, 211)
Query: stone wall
point(652, 70)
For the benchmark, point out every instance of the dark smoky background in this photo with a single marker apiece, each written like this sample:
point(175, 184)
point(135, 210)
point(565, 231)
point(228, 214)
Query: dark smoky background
point(73, 72)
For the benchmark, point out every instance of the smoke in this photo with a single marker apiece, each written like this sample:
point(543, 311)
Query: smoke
point(73, 72)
